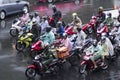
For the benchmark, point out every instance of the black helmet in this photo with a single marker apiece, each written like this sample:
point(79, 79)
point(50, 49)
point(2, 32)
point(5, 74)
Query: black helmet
point(78, 29)
point(54, 8)
point(109, 15)
point(48, 29)
point(31, 16)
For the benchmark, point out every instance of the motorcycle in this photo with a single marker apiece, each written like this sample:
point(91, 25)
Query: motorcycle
point(87, 64)
point(19, 27)
point(36, 49)
point(114, 38)
point(90, 27)
point(39, 67)
point(14, 30)
point(24, 41)
point(69, 30)
point(102, 29)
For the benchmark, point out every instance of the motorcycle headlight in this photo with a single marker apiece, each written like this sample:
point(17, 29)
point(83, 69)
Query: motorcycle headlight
point(37, 57)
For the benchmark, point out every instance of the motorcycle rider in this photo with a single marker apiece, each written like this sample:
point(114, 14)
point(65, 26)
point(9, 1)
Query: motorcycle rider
point(118, 18)
point(76, 22)
point(66, 42)
point(101, 15)
point(35, 30)
point(57, 15)
point(25, 16)
point(109, 21)
point(60, 29)
point(44, 24)
point(95, 50)
point(81, 36)
point(49, 36)
point(37, 17)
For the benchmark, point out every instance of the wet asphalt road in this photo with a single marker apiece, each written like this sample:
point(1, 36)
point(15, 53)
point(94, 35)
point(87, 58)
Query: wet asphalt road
point(13, 63)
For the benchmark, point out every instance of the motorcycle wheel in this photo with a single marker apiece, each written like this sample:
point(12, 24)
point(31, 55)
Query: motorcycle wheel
point(30, 73)
point(13, 32)
point(19, 46)
point(33, 54)
point(82, 69)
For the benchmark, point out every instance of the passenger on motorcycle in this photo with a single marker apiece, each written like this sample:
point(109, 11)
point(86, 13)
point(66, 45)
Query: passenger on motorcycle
point(60, 29)
point(104, 50)
point(109, 21)
point(118, 18)
point(44, 24)
point(101, 16)
point(37, 17)
point(35, 30)
point(76, 22)
point(66, 42)
point(81, 36)
point(25, 17)
point(109, 44)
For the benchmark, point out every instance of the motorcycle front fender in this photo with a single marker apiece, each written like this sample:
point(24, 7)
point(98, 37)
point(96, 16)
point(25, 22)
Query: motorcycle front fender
point(83, 62)
point(31, 66)
point(19, 41)
point(27, 44)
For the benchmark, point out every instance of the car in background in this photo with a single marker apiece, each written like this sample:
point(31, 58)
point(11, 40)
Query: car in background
point(8, 7)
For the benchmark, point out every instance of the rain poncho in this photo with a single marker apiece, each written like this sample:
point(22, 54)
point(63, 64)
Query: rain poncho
point(81, 36)
point(109, 46)
point(96, 51)
point(67, 43)
point(49, 38)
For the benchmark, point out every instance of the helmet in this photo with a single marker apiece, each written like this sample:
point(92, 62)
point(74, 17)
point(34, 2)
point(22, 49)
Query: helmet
point(24, 11)
point(94, 42)
point(103, 39)
point(44, 17)
point(36, 14)
point(64, 34)
point(48, 29)
point(74, 14)
point(54, 8)
point(104, 34)
point(31, 16)
point(34, 22)
point(78, 29)
point(94, 17)
point(109, 15)
point(100, 9)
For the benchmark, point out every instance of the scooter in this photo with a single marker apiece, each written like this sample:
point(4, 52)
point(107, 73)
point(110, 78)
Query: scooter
point(87, 64)
point(90, 27)
point(102, 29)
